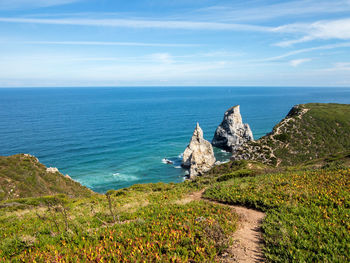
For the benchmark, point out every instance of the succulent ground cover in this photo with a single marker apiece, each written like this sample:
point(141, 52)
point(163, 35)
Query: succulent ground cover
point(307, 218)
point(46, 217)
point(307, 212)
point(143, 224)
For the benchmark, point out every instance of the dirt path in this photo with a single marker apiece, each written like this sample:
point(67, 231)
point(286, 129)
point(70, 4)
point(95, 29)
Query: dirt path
point(247, 238)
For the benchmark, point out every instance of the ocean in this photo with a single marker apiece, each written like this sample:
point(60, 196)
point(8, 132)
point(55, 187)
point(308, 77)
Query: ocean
point(110, 138)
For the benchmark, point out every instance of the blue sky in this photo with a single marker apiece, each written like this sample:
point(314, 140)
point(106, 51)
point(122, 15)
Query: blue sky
point(174, 42)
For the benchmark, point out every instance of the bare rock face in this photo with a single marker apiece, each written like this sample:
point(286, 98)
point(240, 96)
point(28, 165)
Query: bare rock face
point(232, 132)
point(199, 155)
point(52, 170)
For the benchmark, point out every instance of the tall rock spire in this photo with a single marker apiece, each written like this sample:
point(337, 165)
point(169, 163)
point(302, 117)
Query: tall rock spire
point(199, 155)
point(232, 132)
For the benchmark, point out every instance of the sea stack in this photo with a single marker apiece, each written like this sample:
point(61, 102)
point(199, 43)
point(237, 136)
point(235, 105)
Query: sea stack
point(199, 155)
point(232, 132)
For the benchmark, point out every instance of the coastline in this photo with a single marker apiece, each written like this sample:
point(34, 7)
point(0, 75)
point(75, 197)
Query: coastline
point(92, 134)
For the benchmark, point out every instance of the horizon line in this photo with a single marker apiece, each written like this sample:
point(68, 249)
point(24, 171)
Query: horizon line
point(169, 86)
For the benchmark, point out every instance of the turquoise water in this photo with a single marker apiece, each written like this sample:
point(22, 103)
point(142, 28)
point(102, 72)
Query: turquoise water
point(109, 138)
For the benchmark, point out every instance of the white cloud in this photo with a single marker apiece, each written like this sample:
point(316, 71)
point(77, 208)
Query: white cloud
point(253, 11)
point(63, 68)
point(22, 4)
point(101, 43)
point(340, 66)
point(325, 29)
point(307, 50)
point(165, 58)
point(297, 62)
point(221, 53)
point(135, 23)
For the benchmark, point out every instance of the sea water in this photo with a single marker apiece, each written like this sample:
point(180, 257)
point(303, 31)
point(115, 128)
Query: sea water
point(110, 138)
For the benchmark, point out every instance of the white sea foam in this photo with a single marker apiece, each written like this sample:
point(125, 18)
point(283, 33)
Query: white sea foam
point(167, 161)
point(124, 177)
point(175, 161)
point(221, 162)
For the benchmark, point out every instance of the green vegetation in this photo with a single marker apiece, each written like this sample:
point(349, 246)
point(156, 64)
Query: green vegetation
point(307, 212)
point(309, 131)
point(307, 218)
point(23, 176)
point(145, 223)
point(46, 217)
point(240, 173)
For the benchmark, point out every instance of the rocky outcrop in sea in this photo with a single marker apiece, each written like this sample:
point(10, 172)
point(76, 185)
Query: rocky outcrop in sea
point(199, 155)
point(232, 132)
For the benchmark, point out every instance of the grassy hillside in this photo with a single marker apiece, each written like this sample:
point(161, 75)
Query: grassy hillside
point(307, 207)
point(308, 132)
point(23, 176)
point(145, 223)
point(45, 217)
point(307, 212)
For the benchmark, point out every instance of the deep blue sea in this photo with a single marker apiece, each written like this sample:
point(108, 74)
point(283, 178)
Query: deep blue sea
point(110, 138)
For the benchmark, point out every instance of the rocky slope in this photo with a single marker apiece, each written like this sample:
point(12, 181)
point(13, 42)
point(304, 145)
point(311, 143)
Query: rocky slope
point(22, 175)
point(308, 132)
point(199, 155)
point(232, 132)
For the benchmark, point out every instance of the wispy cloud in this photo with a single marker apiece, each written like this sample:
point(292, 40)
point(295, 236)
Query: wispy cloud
point(63, 67)
point(297, 62)
point(254, 11)
point(102, 43)
point(221, 53)
point(326, 29)
point(165, 58)
point(22, 4)
point(135, 23)
point(235, 42)
point(340, 66)
point(306, 50)
point(148, 59)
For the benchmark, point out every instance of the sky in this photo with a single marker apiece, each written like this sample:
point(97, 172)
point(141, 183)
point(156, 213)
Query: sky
point(79, 43)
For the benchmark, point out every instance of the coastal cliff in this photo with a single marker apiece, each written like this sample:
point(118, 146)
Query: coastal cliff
point(22, 175)
point(309, 131)
point(157, 222)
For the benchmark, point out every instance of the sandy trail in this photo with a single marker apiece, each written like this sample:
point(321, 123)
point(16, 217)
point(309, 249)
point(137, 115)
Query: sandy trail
point(247, 239)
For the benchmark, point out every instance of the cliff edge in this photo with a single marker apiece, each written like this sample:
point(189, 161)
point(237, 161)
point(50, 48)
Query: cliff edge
point(22, 175)
point(308, 132)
